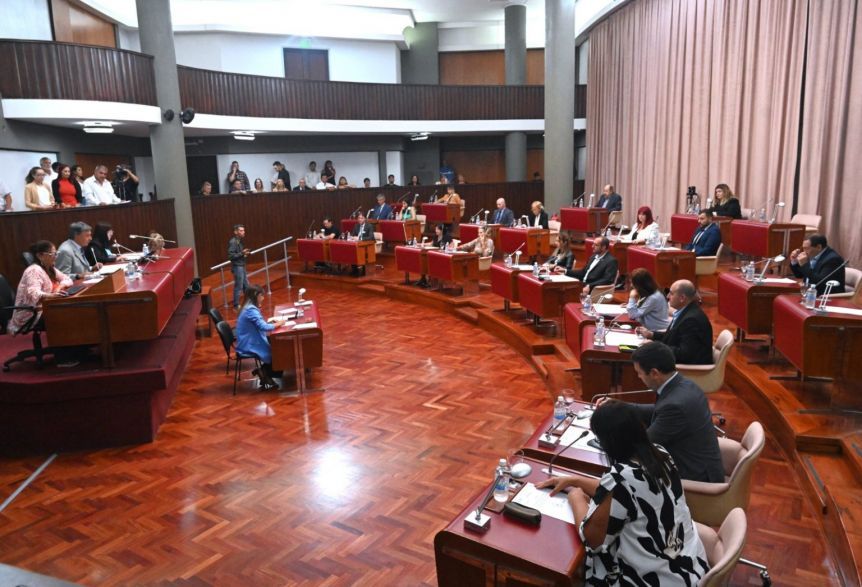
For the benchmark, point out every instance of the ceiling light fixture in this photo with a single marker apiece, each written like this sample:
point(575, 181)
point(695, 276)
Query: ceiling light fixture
point(244, 135)
point(98, 126)
point(419, 136)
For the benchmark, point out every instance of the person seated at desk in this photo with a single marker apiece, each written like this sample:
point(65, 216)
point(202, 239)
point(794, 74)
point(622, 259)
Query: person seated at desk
point(645, 229)
point(689, 334)
point(816, 262)
point(72, 256)
point(503, 215)
point(328, 232)
point(382, 210)
point(409, 212)
point(362, 230)
point(725, 203)
point(251, 339)
point(646, 303)
point(102, 244)
point(482, 245)
point(538, 218)
point(625, 518)
point(707, 238)
point(156, 243)
point(610, 200)
point(600, 269)
point(562, 256)
point(450, 197)
point(442, 239)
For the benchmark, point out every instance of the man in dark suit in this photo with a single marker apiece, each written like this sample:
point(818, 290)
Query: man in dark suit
point(600, 269)
point(680, 419)
point(816, 261)
point(362, 230)
point(610, 200)
point(382, 211)
point(707, 238)
point(502, 215)
point(538, 218)
point(689, 335)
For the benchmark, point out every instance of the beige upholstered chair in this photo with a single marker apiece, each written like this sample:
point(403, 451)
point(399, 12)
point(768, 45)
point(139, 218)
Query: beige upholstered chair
point(615, 218)
point(378, 242)
point(747, 213)
point(554, 226)
point(853, 283)
point(710, 503)
point(811, 222)
point(723, 548)
point(421, 219)
point(710, 378)
point(485, 263)
point(597, 291)
point(708, 265)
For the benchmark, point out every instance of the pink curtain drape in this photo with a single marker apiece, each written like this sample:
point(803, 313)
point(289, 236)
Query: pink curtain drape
point(695, 92)
point(830, 178)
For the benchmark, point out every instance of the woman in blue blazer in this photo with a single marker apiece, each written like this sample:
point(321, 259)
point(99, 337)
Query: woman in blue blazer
point(251, 329)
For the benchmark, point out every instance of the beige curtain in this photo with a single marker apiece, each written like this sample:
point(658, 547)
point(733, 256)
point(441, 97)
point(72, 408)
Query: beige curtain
point(830, 181)
point(695, 92)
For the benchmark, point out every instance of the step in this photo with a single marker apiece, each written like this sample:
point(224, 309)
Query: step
point(468, 313)
point(851, 447)
point(844, 526)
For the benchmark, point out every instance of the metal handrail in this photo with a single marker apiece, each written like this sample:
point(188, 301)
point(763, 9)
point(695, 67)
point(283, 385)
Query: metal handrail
point(266, 265)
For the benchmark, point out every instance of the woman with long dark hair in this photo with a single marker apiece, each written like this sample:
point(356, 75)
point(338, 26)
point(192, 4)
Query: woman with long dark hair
point(37, 192)
point(725, 202)
point(66, 188)
point(646, 303)
point(634, 521)
point(251, 338)
point(40, 281)
point(103, 240)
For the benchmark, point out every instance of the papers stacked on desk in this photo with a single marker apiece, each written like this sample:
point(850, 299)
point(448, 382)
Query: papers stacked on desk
point(782, 280)
point(305, 303)
point(615, 338)
point(109, 269)
point(561, 278)
point(132, 256)
point(523, 267)
point(572, 433)
point(555, 506)
point(609, 309)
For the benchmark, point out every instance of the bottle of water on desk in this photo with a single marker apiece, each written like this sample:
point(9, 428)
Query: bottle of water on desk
point(535, 269)
point(508, 261)
point(146, 249)
point(501, 487)
point(559, 412)
point(588, 304)
point(749, 271)
point(811, 297)
point(599, 338)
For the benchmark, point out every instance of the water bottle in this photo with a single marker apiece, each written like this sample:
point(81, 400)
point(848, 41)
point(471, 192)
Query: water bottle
point(599, 338)
point(501, 488)
point(749, 271)
point(608, 232)
point(763, 214)
point(559, 412)
point(696, 208)
point(811, 297)
point(146, 249)
point(508, 261)
point(588, 305)
point(535, 269)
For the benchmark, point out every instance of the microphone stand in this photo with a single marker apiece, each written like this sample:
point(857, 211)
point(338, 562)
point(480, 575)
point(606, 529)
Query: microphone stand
point(477, 521)
point(550, 469)
point(127, 249)
point(831, 273)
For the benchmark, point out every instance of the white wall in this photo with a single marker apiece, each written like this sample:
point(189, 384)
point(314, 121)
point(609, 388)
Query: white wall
point(354, 166)
point(144, 171)
point(14, 167)
point(25, 19)
point(395, 166)
point(353, 61)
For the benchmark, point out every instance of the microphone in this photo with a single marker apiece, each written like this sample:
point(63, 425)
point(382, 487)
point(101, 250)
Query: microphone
point(148, 238)
point(550, 469)
point(432, 197)
point(592, 197)
point(775, 209)
point(526, 219)
point(309, 226)
point(96, 261)
point(475, 216)
point(402, 197)
point(831, 273)
point(355, 212)
point(777, 259)
point(119, 246)
point(575, 200)
point(830, 285)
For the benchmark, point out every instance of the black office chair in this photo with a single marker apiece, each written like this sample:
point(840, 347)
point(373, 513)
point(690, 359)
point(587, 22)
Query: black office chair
point(32, 325)
point(27, 258)
point(228, 340)
point(216, 317)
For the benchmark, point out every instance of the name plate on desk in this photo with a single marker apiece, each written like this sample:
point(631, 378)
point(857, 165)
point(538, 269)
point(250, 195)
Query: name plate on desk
point(843, 310)
point(609, 309)
point(561, 279)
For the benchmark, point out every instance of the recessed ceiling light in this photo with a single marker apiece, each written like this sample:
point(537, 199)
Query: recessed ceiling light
point(102, 130)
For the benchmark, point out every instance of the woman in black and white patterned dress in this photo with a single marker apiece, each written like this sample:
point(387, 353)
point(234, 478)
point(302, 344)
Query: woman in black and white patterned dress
point(634, 521)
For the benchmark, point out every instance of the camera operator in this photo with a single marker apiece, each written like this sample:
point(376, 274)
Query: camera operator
point(126, 184)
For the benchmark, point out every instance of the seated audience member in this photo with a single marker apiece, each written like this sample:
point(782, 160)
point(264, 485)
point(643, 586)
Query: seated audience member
point(366, 183)
point(414, 180)
point(537, 176)
point(680, 419)
point(126, 184)
point(382, 210)
point(610, 200)
point(342, 183)
point(362, 230)
point(78, 172)
point(312, 176)
point(236, 187)
point(390, 181)
point(450, 197)
point(279, 186)
point(50, 172)
point(600, 269)
point(562, 256)
point(66, 189)
point(5, 198)
point(102, 244)
point(74, 256)
point(460, 179)
point(97, 190)
point(258, 186)
point(325, 183)
point(280, 173)
point(302, 185)
point(707, 238)
point(646, 303)
point(234, 175)
point(503, 215)
point(816, 261)
point(689, 334)
point(329, 171)
point(644, 230)
point(40, 280)
point(538, 218)
point(725, 203)
point(482, 245)
point(634, 521)
point(37, 195)
point(206, 189)
point(251, 338)
point(442, 181)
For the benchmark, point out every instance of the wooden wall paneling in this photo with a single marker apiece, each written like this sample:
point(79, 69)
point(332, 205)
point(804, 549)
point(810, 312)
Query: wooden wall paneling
point(536, 67)
point(463, 68)
point(61, 20)
point(535, 162)
point(487, 166)
point(91, 29)
point(18, 230)
point(88, 162)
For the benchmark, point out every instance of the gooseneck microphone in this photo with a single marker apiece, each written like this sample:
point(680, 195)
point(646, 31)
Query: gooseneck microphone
point(550, 469)
point(148, 238)
point(831, 273)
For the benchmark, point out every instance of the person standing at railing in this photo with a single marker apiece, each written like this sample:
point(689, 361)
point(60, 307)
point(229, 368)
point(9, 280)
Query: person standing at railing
point(5, 197)
point(280, 173)
point(237, 253)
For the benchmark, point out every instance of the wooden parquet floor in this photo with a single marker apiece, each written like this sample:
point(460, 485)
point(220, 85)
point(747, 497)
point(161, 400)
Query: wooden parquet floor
point(345, 487)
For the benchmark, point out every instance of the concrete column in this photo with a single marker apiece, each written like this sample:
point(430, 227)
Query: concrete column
point(167, 140)
point(516, 74)
point(420, 64)
point(559, 103)
point(382, 172)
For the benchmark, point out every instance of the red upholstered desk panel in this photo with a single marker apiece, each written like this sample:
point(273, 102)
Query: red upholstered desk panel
point(313, 249)
point(682, 227)
point(440, 265)
point(347, 225)
point(411, 260)
point(397, 231)
point(469, 232)
point(583, 219)
point(749, 305)
point(665, 265)
point(504, 281)
point(750, 237)
point(440, 213)
point(530, 293)
point(344, 252)
point(512, 239)
point(283, 340)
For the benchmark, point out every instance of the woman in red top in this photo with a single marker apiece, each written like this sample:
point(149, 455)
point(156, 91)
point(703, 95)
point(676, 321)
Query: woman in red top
point(66, 188)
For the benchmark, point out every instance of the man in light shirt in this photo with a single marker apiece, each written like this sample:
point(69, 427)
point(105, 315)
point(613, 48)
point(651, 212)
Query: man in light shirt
point(97, 190)
point(50, 173)
point(5, 198)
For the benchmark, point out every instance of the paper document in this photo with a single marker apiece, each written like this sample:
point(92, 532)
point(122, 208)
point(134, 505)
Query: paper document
point(609, 309)
point(523, 267)
point(784, 280)
point(305, 326)
point(92, 280)
point(132, 256)
point(572, 433)
point(556, 506)
point(668, 249)
point(109, 269)
point(627, 338)
point(843, 310)
point(305, 303)
point(561, 279)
